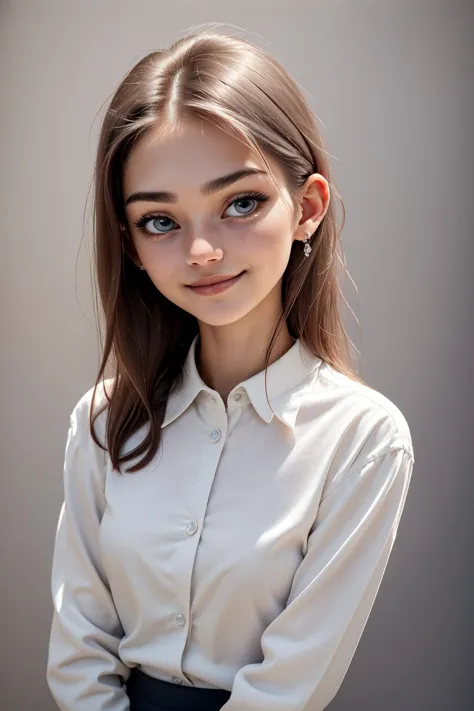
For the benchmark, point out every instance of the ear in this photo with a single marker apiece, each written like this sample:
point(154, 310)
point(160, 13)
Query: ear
point(313, 198)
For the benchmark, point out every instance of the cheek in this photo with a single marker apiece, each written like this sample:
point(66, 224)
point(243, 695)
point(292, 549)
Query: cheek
point(162, 264)
point(270, 248)
point(273, 235)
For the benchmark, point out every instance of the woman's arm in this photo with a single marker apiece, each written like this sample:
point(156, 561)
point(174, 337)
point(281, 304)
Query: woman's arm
point(84, 672)
point(308, 648)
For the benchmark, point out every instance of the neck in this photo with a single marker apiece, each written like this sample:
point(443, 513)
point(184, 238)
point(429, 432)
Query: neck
point(232, 353)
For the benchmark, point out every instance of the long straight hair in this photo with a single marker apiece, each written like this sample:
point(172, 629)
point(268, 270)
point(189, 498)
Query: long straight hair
point(246, 92)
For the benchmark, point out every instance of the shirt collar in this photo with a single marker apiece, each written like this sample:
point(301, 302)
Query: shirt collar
point(287, 381)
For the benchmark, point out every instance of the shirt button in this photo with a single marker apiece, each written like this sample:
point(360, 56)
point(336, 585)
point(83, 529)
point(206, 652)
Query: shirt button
point(177, 681)
point(237, 397)
point(180, 620)
point(215, 435)
point(191, 528)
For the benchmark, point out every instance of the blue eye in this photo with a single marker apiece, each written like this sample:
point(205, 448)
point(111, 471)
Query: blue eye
point(156, 218)
point(238, 202)
point(159, 220)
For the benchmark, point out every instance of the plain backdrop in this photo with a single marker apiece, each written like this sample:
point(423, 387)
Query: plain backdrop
point(391, 83)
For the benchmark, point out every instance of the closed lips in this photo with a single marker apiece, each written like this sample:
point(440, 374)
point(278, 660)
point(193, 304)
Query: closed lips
point(209, 281)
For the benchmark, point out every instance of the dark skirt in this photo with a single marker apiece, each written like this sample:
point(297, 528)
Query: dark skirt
point(149, 694)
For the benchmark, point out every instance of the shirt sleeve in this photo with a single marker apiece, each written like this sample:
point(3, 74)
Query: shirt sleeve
point(84, 671)
point(307, 649)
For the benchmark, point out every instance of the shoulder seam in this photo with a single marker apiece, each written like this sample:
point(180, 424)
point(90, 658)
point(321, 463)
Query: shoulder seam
point(348, 475)
point(366, 395)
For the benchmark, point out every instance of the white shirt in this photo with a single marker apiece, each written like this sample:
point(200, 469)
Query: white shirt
point(246, 556)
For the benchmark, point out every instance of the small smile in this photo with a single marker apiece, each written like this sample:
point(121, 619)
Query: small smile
point(214, 285)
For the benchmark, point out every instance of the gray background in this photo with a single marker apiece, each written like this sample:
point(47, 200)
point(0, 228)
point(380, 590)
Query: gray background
point(392, 84)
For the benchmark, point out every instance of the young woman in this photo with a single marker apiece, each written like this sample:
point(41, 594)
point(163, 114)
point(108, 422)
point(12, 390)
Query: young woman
point(233, 490)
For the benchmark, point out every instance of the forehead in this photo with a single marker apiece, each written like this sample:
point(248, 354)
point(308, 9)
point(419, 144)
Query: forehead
point(188, 155)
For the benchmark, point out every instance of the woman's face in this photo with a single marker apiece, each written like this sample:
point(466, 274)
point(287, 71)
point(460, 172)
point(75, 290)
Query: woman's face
point(193, 232)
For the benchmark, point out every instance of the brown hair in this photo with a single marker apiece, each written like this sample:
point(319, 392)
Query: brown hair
point(241, 88)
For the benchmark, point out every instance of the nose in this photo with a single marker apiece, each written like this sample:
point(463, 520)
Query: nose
point(202, 252)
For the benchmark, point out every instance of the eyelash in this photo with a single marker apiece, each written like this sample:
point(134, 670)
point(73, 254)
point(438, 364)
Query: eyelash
point(259, 197)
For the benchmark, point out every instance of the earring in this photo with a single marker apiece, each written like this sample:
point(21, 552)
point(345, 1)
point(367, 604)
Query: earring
point(141, 266)
point(307, 247)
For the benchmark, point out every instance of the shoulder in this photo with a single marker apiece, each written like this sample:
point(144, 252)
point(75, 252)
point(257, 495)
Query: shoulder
point(84, 457)
point(365, 402)
point(85, 461)
point(356, 425)
point(80, 415)
point(355, 422)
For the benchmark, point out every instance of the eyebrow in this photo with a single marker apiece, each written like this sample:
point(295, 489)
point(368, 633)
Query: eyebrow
point(212, 186)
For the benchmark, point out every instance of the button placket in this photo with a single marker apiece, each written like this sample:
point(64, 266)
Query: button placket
point(211, 434)
point(215, 435)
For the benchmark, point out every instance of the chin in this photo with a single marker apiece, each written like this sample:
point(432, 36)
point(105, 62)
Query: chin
point(221, 316)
